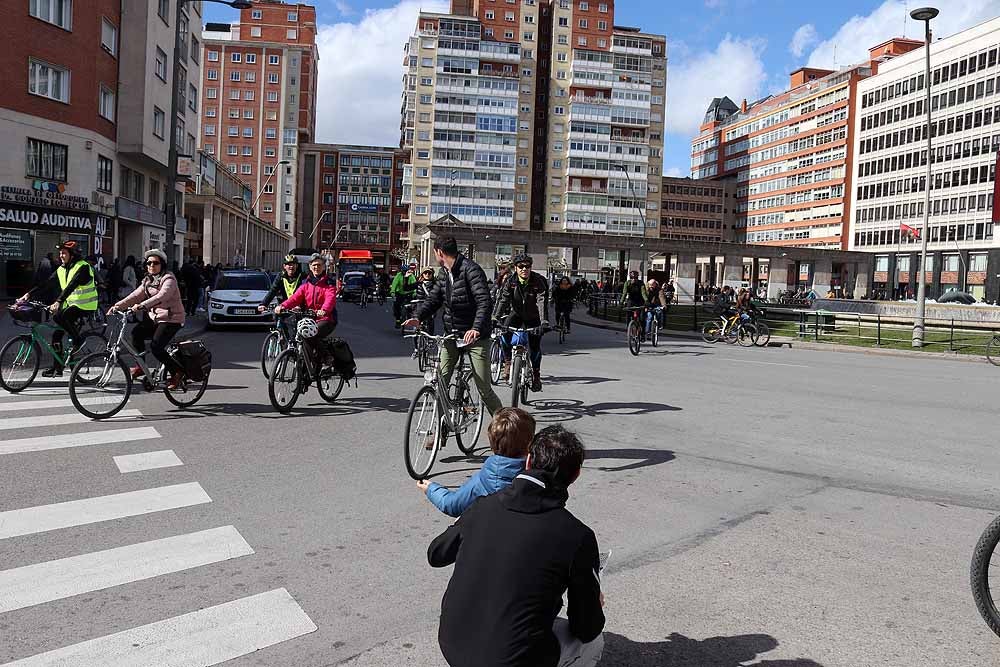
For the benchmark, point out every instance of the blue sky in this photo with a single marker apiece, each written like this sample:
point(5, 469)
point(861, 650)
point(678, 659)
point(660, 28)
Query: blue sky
point(739, 48)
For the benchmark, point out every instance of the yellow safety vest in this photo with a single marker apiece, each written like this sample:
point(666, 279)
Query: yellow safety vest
point(83, 297)
point(291, 287)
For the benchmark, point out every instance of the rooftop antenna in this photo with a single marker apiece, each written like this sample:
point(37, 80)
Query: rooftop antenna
point(835, 66)
point(905, 15)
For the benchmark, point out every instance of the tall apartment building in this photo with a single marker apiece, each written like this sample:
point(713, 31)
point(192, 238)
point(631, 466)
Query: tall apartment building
point(58, 122)
point(533, 115)
point(349, 198)
point(891, 165)
point(695, 210)
point(789, 155)
point(260, 101)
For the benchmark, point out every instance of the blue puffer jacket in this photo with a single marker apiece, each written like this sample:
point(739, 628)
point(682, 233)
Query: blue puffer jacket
point(497, 473)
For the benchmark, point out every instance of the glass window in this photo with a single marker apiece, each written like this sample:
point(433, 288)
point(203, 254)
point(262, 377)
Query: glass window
point(106, 104)
point(56, 12)
point(161, 65)
point(109, 36)
point(105, 173)
point(45, 160)
point(48, 81)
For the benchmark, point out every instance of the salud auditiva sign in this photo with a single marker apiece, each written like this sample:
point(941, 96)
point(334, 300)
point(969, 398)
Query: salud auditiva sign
point(31, 216)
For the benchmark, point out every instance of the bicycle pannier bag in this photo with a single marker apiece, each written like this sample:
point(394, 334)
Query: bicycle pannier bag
point(343, 358)
point(195, 358)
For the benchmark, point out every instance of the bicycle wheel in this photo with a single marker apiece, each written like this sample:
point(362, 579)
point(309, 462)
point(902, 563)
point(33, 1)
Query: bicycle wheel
point(746, 334)
point(330, 384)
point(19, 361)
point(91, 343)
point(993, 350)
point(979, 574)
point(472, 413)
point(516, 371)
point(422, 439)
point(634, 337)
point(108, 394)
point(763, 334)
point(710, 332)
point(496, 361)
point(285, 383)
point(269, 352)
point(188, 393)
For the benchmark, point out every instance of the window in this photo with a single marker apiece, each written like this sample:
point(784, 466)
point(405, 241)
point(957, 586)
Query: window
point(163, 9)
point(291, 34)
point(48, 81)
point(272, 60)
point(212, 74)
point(106, 103)
point(251, 58)
point(489, 15)
point(233, 131)
point(255, 31)
point(248, 114)
point(272, 77)
point(192, 98)
point(109, 37)
point(247, 95)
point(251, 77)
point(213, 56)
point(195, 49)
point(45, 160)
point(293, 17)
point(236, 57)
point(159, 121)
point(56, 12)
point(232, 150)
point(584, 23)
point(209, 130)
point(246, 169)
point(235, 75)
point(234, 113)
point(210, 112)
point(270, 133)
point(248, 132)
point(602, 25)
point(161, 66)
point(272, 96)
point(257, 14)
point(271, 115)
point(105, 173)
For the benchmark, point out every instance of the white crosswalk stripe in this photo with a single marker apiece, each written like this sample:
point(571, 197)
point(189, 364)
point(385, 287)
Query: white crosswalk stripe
point(43, 518)
point(12, 423)
point(47, 442)
point(147, 461)
point(197, 639)
point(35, 391)
point(14, 406)
point(57, 579)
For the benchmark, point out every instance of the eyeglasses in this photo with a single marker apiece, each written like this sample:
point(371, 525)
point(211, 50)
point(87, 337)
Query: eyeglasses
point(524, 266)
point(153, 262)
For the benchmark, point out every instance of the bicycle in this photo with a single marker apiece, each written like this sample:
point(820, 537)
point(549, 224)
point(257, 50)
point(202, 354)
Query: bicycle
point(380, 296)
point(653, 323)
point(635, 331)
point(732, 330)
point(296, 368)
point(763, 335)
point(979, 575)
point(103, 379)
point(993, 350)
point(520, 364)
point(435, 414)
point(20, 357)
point(277, 341)
point(562, 325)
point(425, 351)
point(496, 356)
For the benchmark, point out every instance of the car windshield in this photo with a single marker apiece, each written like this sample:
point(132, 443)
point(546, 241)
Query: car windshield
point(353, 281)
point(243, 282)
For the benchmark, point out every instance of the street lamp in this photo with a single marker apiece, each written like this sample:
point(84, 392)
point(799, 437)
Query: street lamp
point(635, 205)
point(172, 156)
point(924, 14)
point(246, 232)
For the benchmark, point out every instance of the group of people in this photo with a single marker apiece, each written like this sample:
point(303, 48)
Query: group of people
point(650, 296)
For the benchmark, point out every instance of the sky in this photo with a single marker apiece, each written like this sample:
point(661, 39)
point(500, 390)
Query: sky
point(741, 48)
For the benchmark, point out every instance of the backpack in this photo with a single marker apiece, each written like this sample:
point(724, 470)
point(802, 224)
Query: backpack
point(343, 358)
point(195, 358)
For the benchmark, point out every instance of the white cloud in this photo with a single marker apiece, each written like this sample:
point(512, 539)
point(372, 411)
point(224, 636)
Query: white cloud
point(713, 4)
point(342, 7)
point(360, 70)
point(734, 69)
point(803, 38)
point(674, 172)
point(851, 42)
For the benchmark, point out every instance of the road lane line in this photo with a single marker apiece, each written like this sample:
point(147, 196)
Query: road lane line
point(12, 423)
point(35, 391)
point(43, 518)
point(196, 639)
point(57, 579)
point(47, 442)
point(14, 406)
point(147, 461)
point(767, 363)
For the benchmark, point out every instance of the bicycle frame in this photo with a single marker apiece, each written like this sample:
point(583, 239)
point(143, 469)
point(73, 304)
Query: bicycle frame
point(115, 345)
point(446, 403)
point(38, 331)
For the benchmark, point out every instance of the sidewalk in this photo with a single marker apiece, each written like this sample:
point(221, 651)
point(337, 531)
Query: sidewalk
point(583, 318)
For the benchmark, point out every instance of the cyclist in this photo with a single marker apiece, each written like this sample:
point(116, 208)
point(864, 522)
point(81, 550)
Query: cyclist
point(517, 304)
point(563, 295)
point(403, 286)
point(318, 292)
point(656, 303)
point(461, 289)
point(503, 271)
point(725, 306)
point(425, 284)
point(77, 298)
point(634, 292)
point(284, 286)
point(160, 296)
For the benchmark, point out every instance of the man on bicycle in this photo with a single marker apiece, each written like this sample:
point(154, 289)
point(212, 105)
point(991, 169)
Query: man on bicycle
point(403, 286)
point(77, 298)
point(517, 304)
point(634, 292)
point(564, 295)
point(656, 303)
point(461, 288)
point(284, 286)
point(318, 292)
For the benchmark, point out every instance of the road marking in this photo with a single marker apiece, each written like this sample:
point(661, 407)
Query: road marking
point(147, 461)
point(57, 579)
point(58, 420)
point(767, 363)
point(44, 518)
point(197, 639)
point(14, 406)
point(34, 391)
point(47, 442)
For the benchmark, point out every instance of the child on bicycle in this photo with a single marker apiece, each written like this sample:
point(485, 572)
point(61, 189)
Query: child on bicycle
point(510, 433)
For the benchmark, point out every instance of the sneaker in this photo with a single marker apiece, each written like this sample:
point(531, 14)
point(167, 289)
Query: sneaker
point(53, 372)
point(175, 382)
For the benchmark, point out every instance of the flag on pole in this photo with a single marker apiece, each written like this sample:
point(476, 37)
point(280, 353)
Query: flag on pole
point(908, 232)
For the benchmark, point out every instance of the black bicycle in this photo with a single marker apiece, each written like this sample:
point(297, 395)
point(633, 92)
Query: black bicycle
point(277, 341)
point(303, 364)
point(562, 325)
point(984, 575)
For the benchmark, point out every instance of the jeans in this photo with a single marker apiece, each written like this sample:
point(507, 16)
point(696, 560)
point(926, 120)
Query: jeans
point(534, 348)
point(650, 314)
point(479, 356)
point(159, 336)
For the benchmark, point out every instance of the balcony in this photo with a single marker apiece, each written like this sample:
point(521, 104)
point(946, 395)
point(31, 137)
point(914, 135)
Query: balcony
point(626, 139)
point(586, 99)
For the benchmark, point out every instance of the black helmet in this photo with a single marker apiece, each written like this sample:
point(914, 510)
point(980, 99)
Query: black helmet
point(290, 259)
point(521, 259)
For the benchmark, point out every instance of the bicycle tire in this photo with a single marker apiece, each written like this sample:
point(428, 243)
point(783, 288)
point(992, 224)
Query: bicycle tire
point(746, 334)
point(979, 575)
point(466, 440)
point(496, 361)
point(7, 377)
point(111, 364)
point(634, 338)
point(89, 346)
point(654, 334)
point(269, 352)
point(763, 334)
point(329, 388)
point(993, 350)
point(289, 374)
point(562, 335)
point(426, 399)
point(192, 393)
point(710, 332)
point(516, 370)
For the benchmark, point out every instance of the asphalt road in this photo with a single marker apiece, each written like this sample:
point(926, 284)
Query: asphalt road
point(779, 507)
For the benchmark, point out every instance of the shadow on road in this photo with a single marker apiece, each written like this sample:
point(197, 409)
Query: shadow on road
point(681, 651)
point(579, 380)
point(562, 410)
point(643, 458)
point(307, 406)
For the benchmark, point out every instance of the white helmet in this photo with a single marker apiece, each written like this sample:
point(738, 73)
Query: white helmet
point(307, 328)
point(156, 252)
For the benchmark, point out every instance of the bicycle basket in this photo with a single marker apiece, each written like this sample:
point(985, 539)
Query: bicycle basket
point(26, 312)
point(519, 338)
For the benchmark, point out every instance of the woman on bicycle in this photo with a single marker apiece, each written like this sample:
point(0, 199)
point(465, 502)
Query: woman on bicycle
point(563, 295)
point(656, 302)
point(318, 292)
point(160, 296)
point(77, 298)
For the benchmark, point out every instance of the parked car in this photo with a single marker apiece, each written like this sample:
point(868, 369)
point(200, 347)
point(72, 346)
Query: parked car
point(350, 286)
point(234, 297)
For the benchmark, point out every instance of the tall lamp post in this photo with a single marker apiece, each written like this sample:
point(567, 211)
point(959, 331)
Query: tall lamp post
point(246, 232)
point(924, 14)
point(172, 155)
point(642, 217)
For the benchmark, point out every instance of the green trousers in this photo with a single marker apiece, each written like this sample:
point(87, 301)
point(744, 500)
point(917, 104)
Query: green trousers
point(479, 356)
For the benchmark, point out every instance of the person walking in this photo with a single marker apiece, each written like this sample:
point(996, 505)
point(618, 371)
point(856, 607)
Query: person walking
point(130, 279)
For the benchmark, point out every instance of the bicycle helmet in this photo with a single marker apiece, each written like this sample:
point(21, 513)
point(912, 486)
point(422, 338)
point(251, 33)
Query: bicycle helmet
point(521, 259)
point(307, 328)
point(290, 259)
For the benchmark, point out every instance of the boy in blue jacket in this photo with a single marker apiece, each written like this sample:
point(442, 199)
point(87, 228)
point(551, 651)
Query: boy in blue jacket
point(510, 433)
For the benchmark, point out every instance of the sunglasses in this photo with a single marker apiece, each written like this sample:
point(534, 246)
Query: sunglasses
point(523, 266)
point(153, 262)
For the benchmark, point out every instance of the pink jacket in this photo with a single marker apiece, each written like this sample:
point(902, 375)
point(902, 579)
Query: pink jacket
point(315, 295)
point(160, 296)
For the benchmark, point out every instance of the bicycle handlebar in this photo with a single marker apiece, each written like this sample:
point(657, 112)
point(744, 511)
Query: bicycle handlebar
point(440, 339)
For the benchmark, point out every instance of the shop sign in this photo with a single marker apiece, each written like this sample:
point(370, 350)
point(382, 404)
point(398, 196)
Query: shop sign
point(44, 193)
point(15, 244)
point(33, 216)
point(364, 208)
point(102, 224)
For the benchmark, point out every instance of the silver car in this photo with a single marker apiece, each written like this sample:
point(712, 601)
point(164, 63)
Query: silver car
point(234, 298)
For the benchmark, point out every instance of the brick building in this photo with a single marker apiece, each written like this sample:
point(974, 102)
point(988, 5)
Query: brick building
point(697, 210)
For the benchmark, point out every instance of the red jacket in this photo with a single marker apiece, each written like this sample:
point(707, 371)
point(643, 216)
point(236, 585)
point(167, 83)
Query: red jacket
point(315, 294)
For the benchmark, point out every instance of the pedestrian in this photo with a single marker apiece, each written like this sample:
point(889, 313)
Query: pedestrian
point(516, 553)
point(130, 279)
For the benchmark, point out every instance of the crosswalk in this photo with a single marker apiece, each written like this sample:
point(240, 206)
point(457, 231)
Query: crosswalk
point(201, 637)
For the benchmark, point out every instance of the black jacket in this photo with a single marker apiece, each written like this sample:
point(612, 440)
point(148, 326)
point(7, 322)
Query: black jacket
point(465, 297)
point(518, 303)
point(278, 288)
point(563, 298)
point(515, 553)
